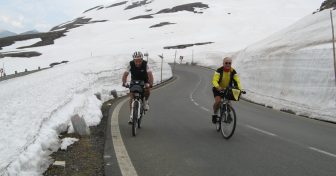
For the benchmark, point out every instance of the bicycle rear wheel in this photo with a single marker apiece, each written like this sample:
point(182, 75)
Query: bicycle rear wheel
point(228, 122)
point(135, 118)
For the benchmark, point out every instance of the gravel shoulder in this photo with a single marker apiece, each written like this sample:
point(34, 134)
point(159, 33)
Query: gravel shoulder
point(84, 157)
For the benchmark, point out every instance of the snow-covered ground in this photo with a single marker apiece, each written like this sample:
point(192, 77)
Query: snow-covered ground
point(35, 108)
point(20, 44)
point(291, 69)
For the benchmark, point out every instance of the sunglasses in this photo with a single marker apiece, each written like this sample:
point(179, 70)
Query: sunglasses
point(227, 63)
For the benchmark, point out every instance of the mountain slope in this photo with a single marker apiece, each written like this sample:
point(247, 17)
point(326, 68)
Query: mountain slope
point(29, 32)
point(5, 33)
point(327, 4)
point(126, 26)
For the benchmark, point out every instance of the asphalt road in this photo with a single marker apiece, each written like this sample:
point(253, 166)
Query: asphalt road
point(178, 138)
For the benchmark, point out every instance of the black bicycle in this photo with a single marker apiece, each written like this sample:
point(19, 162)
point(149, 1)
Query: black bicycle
point(137, 88)
point(226, 122)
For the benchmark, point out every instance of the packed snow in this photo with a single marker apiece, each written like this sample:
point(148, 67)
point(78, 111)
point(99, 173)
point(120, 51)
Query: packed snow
point(290, 69)
point(20, 44)
point(67, 142)
point(293, 69)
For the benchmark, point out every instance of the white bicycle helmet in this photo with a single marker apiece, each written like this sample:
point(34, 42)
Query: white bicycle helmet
point(137, 54)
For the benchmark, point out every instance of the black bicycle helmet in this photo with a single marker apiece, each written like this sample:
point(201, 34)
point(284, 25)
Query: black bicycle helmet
point(137, 54)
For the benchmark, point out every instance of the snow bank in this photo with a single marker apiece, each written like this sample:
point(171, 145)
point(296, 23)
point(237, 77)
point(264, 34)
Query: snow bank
point(293, 69)
point(37, 107)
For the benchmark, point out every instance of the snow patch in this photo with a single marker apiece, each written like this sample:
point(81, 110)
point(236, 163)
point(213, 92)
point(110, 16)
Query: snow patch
point(67, 142)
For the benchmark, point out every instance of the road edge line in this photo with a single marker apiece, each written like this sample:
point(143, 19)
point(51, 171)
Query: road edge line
point(124, 161)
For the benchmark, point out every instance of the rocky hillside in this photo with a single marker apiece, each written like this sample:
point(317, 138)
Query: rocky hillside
point(328, 4)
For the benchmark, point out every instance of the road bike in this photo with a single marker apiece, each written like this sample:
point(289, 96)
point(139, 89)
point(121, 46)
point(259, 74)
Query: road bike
point(226, 122)
point(137, 106)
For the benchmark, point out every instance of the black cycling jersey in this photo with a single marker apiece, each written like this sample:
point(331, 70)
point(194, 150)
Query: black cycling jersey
point(139, 73)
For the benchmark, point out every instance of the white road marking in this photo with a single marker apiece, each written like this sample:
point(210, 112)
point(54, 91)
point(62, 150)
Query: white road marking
point(205, 109)
point(124, 161)
point(192, 98)
point(260, 130)
point(324, 152)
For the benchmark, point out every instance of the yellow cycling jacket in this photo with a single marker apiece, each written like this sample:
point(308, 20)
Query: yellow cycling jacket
point(222, 79)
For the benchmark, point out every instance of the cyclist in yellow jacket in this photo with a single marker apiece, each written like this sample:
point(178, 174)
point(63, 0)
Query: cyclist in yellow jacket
point(224, 77)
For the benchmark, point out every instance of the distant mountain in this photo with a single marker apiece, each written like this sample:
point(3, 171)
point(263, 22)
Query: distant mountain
point(30, 32)
point(5, 33)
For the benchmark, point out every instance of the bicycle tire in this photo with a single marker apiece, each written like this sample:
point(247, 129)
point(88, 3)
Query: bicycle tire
point(218, 123)
point(140, 118)
point(228, 126)
point(218, 126)
point(135, 117)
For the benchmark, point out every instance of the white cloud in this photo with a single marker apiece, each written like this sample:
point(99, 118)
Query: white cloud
point(43, 26)
point(17, 23)
point(4, 18)
point(24, 15)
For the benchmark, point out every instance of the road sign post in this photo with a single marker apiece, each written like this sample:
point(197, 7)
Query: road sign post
point(161, 56)
point(333, 41)
point(146, 54)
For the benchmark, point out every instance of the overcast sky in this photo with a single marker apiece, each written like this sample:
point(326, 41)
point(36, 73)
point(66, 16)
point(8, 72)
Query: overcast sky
point(23, 15)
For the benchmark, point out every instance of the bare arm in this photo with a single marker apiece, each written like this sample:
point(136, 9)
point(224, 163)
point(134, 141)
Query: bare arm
point(124, 77)
point(150, 78)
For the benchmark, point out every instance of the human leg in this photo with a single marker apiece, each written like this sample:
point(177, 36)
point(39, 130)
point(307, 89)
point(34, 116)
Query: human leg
point(216, 104)
point(146, 95)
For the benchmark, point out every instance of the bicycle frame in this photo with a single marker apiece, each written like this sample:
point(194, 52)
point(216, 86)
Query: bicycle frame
point(137, 89)
point(224, 108)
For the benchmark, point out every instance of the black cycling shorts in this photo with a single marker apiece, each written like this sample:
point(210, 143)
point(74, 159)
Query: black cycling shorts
point(215, 92)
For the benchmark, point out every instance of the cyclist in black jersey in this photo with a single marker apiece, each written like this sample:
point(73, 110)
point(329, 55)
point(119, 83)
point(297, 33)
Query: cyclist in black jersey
point(139, 70)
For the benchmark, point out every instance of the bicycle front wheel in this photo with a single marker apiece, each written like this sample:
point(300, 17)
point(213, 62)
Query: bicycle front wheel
point(135, 117)
point(228, 122)
point(141, 114)
point(218, 123)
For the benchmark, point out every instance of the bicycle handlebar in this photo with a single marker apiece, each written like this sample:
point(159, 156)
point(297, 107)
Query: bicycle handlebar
point(230, 88)
point(137, 82)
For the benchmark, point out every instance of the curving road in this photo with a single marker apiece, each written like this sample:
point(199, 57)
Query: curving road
point(178, 137)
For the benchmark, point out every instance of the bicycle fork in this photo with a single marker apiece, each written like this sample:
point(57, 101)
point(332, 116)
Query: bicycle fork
point(139, 108)
point(224, 113)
